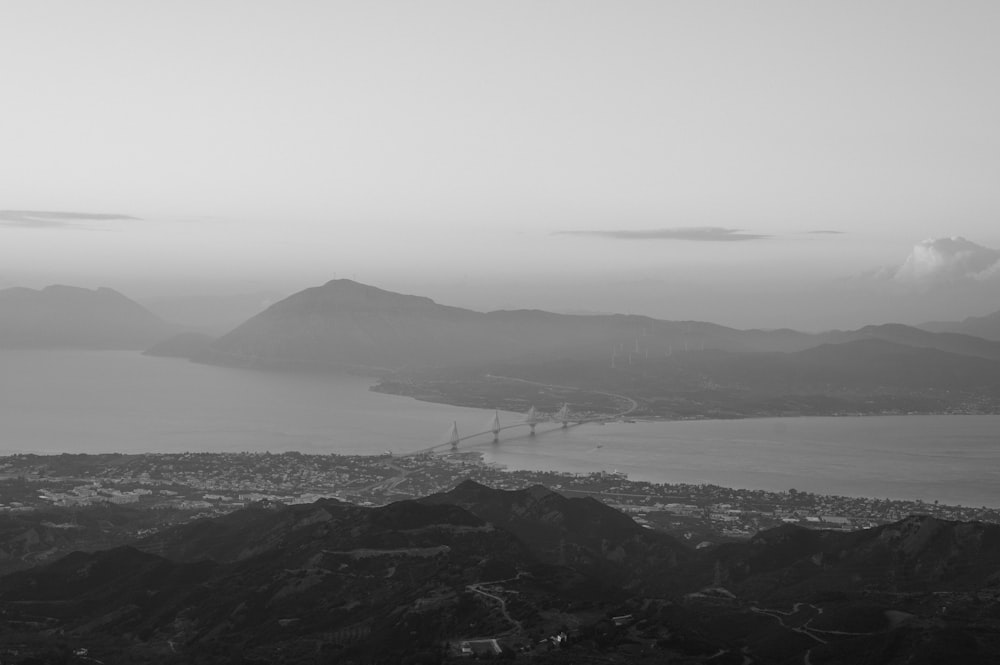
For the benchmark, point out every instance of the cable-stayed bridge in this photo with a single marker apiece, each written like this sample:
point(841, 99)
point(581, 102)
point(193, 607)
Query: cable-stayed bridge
point(494, 427)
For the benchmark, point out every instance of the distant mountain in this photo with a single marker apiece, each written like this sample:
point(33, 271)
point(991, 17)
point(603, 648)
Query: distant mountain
point(344, 324)
point(878, 363)
point(866, 376)
point(952, 342)
point(66, 316)
point(987, 327)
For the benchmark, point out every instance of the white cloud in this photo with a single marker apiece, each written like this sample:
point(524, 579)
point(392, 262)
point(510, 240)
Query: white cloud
point(952, 260)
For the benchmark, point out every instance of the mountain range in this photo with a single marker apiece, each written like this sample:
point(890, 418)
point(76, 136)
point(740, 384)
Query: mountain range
point(346, 324)
point(551, 579)
point(67, 316)
point(666, 368)
point(987, 327)
point(449, 354)
point(343, 323)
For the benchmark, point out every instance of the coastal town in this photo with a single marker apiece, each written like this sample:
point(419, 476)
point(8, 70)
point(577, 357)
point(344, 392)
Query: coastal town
point(209, 484)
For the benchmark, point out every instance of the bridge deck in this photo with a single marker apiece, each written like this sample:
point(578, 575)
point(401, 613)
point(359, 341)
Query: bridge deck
point(575, 423)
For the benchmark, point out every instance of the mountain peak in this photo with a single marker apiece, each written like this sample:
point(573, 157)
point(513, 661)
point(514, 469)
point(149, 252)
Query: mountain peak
point(539, 492)
point(342, 293)
point(347, 283)
point(469, 485)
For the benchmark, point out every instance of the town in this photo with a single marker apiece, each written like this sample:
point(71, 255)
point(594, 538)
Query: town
point(195, 485)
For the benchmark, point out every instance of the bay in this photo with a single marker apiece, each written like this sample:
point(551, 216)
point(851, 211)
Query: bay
point(55, 401)
point(951, 459)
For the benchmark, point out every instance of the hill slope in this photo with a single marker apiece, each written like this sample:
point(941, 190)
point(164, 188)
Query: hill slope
point(343, 583)
point(987, 327)
point(66, 316)
point(346, 324)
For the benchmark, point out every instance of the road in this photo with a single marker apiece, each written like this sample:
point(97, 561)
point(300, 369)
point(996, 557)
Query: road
point(799, 620)
point(633, 405)
point(478, 588)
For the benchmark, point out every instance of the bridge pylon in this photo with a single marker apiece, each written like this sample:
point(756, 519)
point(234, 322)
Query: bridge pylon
point(531, 419)
point(495, 427)
point(563, 416)
point(454, 438)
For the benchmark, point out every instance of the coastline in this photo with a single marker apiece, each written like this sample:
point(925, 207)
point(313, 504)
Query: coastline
point(460, 396)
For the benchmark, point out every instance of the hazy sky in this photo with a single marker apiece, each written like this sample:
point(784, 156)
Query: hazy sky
point(735, 161)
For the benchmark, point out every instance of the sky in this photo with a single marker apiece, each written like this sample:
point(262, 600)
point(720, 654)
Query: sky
point(756, 164)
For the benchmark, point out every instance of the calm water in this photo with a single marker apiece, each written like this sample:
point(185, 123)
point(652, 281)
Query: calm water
point(81, 401)
point(954, 459)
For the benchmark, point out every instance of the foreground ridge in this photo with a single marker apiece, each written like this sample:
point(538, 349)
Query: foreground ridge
point(525, 574)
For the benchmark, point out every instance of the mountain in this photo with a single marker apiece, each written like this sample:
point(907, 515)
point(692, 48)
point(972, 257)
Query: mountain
point(414, 581)
point(67, 316)
point(919, 554)
point(987, 327)
point(583, 534)
point(920, 590)
point(276, 584)
point(951, 342)
point(30, 537)
point(863, 376)
point(877, 363)
point(344, 324)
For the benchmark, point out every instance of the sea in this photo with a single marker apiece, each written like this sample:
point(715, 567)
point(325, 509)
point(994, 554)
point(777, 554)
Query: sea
point(73, 401)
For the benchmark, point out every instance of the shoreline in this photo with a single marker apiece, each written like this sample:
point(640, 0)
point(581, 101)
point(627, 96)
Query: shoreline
point(617, 416)
point(133, 470)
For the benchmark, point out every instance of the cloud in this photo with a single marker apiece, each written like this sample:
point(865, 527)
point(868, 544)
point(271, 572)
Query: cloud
point(955, 260)
point(40, 219)
point(828, 232)
point(696, 233)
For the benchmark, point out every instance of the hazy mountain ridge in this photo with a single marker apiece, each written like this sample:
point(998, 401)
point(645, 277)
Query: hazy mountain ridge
point(450, 354)
point(951, 342)
point(882, 364)
point(669, 368)
point(67, 316)
point(343, 323)
point(987, 327)
point(346, 324)
point(329, 579)
point(867, 376)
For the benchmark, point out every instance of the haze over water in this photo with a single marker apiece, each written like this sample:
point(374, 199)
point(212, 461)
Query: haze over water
point(93, 401)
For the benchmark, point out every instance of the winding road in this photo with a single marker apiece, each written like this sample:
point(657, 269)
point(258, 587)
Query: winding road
point(478, 588)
